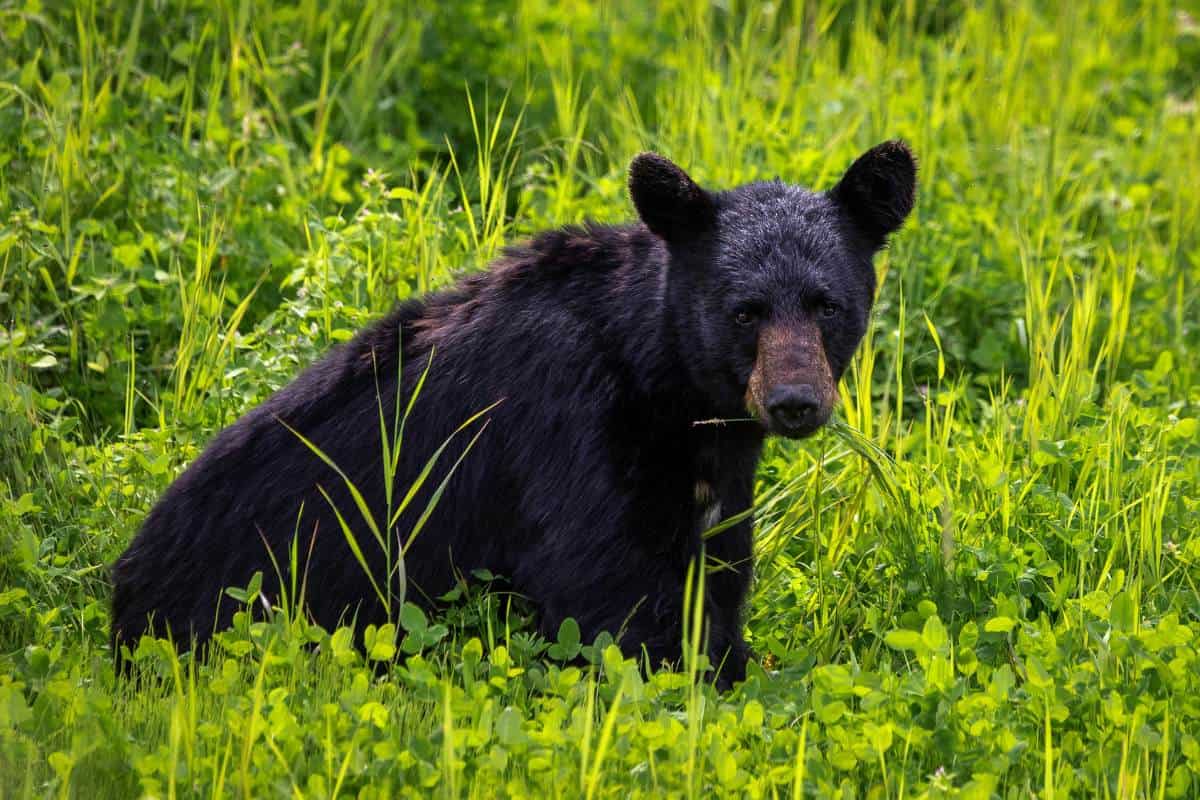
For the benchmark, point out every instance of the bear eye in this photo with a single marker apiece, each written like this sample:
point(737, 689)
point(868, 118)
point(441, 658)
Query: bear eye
point(745, 316)
point(829, 310)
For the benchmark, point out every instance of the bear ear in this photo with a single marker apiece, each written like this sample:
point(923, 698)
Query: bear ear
point(667, 200)
point(879, 189)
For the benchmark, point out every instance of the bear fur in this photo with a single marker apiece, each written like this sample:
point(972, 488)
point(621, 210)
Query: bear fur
point(603, 354)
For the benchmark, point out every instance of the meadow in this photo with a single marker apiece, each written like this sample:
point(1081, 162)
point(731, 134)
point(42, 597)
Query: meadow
point(982, 581)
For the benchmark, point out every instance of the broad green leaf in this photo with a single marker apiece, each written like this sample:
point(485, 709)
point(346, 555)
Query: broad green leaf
point(412, 619)
point(934, 635)
point(903, 639)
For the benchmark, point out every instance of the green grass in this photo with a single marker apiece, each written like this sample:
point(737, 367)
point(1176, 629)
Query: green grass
point(984, 581)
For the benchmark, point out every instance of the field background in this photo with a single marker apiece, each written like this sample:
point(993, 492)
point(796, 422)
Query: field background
point(984, 583)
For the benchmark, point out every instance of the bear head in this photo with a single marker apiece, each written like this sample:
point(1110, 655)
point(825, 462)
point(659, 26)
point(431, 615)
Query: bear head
point(769, 286)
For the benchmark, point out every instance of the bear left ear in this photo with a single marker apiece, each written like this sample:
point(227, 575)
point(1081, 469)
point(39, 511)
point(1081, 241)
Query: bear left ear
point(671, 204)
point(879, 190)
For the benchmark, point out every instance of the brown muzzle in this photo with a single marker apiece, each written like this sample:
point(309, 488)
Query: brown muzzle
point(791, 390)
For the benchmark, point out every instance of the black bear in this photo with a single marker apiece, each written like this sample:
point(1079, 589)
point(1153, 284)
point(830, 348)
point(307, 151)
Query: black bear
point(602, 355)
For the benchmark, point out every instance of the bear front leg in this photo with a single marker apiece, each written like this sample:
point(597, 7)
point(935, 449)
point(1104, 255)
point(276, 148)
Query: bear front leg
point(643, 613)
point(646, 617)
point(728, 653)
point(729, 571)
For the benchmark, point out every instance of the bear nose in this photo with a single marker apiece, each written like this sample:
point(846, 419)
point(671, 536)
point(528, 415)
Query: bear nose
point(794, 408)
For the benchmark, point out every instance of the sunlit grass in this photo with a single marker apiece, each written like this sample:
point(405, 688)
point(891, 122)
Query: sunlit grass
point(982, 580)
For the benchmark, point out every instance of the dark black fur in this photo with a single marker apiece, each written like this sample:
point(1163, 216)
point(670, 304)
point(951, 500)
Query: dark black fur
point(604, 345)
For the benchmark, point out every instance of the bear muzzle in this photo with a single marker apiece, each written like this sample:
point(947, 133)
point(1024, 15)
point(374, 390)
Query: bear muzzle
point(791, 389)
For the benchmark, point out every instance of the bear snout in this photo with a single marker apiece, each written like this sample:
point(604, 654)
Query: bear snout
point(791, 390)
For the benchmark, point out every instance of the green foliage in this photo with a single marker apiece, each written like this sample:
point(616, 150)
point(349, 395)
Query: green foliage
point(981, 582)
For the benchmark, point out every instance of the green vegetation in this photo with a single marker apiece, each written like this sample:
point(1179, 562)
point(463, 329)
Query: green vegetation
point(984, 582)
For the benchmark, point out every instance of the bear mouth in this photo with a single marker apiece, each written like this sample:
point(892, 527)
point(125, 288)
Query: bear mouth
point(794, 432)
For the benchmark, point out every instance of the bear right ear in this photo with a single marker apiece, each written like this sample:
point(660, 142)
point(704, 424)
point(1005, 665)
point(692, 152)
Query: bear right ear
point(667, 200)
point(879, 190)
